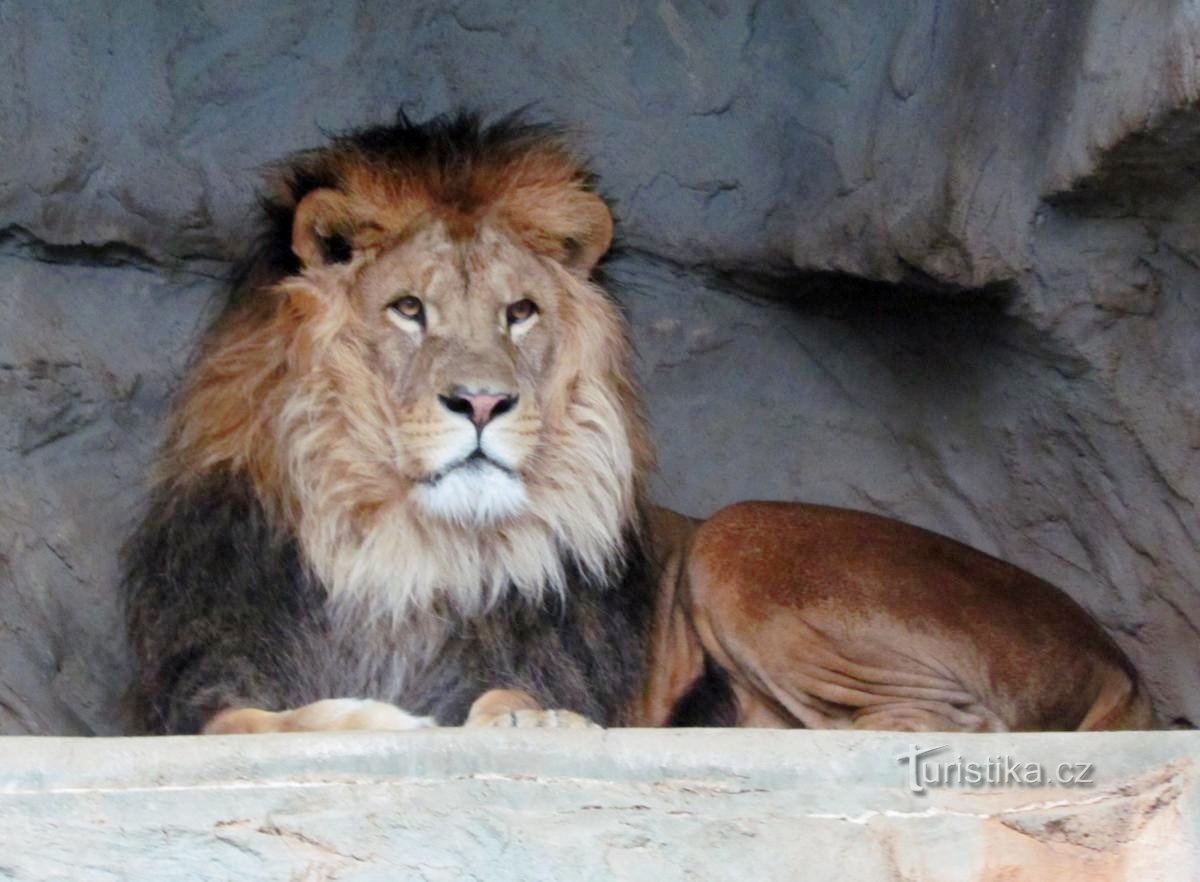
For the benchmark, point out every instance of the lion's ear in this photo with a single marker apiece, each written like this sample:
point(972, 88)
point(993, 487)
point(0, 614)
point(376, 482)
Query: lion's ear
point(593, 223)
point(573, 226)
point(323, 228)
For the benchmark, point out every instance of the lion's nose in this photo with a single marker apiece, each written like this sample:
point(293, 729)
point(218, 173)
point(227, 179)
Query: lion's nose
point(479, 407)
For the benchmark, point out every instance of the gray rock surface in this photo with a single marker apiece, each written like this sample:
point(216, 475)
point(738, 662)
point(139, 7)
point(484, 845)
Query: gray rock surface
point(87, 358)
point(627, 805)
point(936, 260)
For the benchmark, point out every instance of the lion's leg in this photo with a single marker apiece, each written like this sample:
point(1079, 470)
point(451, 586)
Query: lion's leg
point(793, 658)
point(333, 714)
point(787, 669)
point(926, 717)
point(1120, 704)
point(843, 619)
point(789, 672)
point(512, 708)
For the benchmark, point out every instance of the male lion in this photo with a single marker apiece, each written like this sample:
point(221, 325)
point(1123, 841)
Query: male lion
point(405, 485)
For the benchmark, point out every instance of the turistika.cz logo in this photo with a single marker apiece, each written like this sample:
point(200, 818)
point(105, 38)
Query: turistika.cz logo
point(995, 771)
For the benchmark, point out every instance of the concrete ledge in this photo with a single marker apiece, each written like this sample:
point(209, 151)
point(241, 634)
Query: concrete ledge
point(623, 804)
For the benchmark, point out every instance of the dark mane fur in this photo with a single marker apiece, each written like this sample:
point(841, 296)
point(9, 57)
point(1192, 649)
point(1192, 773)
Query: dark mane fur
point(221, 612)
point(446, 148)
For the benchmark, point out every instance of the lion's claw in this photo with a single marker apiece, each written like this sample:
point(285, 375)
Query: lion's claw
point(526, 718)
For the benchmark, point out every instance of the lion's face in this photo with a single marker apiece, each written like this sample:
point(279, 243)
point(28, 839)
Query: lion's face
point(439, 404)
point(461, 340)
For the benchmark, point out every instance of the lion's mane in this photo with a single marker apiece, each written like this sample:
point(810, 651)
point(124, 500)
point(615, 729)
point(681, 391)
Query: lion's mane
point(280, 392)
point(280, 560)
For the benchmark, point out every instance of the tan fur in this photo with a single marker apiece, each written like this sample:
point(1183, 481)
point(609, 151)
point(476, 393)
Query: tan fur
point(334, 714)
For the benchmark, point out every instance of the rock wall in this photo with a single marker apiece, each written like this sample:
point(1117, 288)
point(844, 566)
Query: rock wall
point(934, 260)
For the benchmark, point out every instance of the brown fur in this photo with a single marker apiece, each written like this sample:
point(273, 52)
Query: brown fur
point(834, 618)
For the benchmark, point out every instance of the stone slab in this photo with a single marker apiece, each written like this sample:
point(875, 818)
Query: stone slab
point(622, 804)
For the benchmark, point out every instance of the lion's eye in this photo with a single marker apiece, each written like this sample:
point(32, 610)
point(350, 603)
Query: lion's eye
point(520, 311)
point(410, 307)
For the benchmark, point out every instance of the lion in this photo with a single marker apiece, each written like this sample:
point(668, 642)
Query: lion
point(404, 485)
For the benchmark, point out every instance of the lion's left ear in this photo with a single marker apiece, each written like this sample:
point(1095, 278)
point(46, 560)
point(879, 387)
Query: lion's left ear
point(593, 225)
point(570, 224)
point(323, 228)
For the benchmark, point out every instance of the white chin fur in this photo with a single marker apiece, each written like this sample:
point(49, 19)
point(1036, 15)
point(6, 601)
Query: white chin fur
point(473, 495)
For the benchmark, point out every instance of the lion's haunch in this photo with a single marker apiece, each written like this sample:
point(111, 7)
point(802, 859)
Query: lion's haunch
point(825, 617)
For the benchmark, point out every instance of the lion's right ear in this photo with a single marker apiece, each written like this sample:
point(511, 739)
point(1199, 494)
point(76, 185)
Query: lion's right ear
point(323, 228)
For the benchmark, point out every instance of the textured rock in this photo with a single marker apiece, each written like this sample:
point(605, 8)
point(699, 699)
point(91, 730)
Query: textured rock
point(87, 356)
point(1072, 454)
point(592, 805)
point(936, 260)
point(871, 138)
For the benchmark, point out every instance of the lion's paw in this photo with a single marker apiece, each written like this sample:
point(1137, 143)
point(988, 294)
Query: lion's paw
point(526, 718)
point(356, 713)
point(332, 714)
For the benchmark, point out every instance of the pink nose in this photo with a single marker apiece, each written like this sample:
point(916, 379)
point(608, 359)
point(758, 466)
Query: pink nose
point(480, 407)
